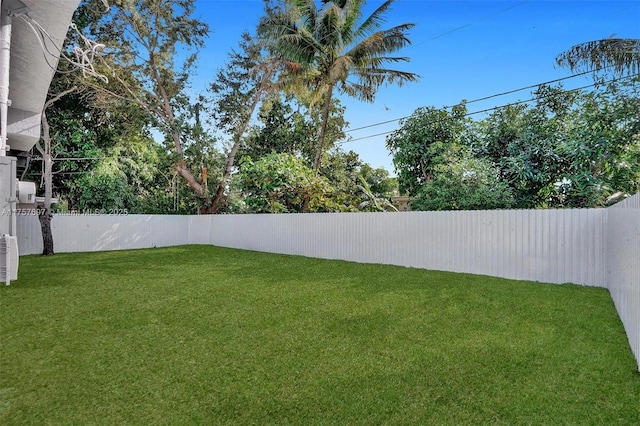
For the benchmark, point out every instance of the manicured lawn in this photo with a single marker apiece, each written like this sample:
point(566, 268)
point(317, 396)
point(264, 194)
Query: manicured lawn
point(205, 335)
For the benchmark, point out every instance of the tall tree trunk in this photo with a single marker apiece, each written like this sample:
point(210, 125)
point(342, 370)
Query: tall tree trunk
point(231, 158)
point(45, 215)
point(323, 129)
point(228, 169)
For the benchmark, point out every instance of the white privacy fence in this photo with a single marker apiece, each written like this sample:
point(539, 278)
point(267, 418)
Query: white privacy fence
point(623, 266)
point(594, 247)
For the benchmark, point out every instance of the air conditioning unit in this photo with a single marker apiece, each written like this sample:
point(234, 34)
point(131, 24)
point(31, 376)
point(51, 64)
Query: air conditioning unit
point(8, 258)
point(26, 192)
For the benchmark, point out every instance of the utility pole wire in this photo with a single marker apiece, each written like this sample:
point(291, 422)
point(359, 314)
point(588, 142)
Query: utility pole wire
point(509, 92)
point(445, 107)
point(471, 23)
point(494, 108)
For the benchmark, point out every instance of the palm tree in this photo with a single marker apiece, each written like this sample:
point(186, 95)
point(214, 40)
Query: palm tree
point(622, 55)
point(331, 47)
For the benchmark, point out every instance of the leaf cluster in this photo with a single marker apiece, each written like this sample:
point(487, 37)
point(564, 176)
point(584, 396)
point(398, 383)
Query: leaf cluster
point(281, 183)
point(568, 149)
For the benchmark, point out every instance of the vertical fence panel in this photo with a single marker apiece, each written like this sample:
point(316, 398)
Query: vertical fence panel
point(77, 233)
point(541, 245)
point(623, 266)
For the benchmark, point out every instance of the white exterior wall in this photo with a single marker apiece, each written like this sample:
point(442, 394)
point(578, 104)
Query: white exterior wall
point(7, 195)
point(9, 255)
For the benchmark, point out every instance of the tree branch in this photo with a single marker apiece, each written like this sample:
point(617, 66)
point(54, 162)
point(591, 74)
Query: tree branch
point(57, 97)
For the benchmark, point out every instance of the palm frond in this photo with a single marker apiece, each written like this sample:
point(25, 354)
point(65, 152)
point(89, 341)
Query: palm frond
point(351, 15)
point(381, 43)
point(622, 55)
point(380, 76)
point(333, 47)
point(359, 91)
point(328, 28)
point(307, 12)
point(374, 21)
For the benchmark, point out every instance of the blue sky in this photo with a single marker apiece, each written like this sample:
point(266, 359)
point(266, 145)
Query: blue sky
point(462, 49)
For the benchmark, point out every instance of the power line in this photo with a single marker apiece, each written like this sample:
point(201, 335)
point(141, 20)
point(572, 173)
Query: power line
point(35, 174)
point(496, 107)
point(36, 158)
point(471, 23)
point(474, 100)
point(509, 92)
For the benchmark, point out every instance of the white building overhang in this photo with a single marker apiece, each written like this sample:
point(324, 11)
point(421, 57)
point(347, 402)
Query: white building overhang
point(31, 66)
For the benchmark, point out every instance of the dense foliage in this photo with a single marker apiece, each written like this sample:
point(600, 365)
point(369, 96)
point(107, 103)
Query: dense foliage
point(461, 181)
point(334, 47)
point(282, 183)
point(567, 149)
point(256, 117)
point(265, 136)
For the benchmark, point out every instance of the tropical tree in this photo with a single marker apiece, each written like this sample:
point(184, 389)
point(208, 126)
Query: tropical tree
point(569, 149)
point(601, 149)
point(128, 178)
point(379, 180)
point(410, 144)
point(621, 56)
point(49, 144)
point(141, 64)
point(332, 47)
point(356, 185)
point(45, 148)
point(282, 183)
point(280, 129)
point(523, 142)
point(284, 125)
point(461, 181)
point(371, 201)
point(238, 89)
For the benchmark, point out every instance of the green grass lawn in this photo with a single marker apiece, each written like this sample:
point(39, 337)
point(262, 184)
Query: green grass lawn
point(206, 335)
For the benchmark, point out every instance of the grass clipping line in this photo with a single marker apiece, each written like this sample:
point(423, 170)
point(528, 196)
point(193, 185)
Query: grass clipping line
point(208, 335)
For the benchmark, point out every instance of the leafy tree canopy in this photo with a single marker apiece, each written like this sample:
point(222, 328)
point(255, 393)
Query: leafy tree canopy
point(461, 181)
point(410, 144)
point(568, 149)
point(281, 183)
point(332, 46)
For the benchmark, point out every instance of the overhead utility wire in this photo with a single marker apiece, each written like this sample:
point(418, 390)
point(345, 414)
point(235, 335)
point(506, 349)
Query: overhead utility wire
point(473, 22)
point(480, 99)
point(449, 32)
point(37, 158)
point(498, 107)
point(509, 92)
